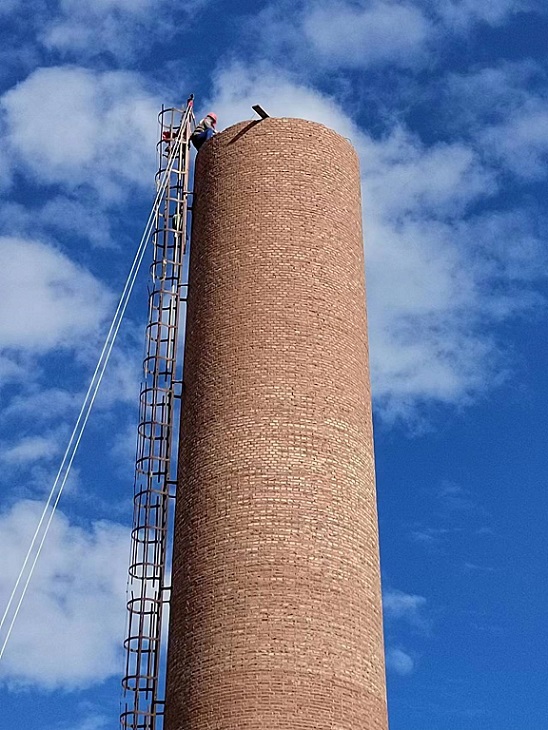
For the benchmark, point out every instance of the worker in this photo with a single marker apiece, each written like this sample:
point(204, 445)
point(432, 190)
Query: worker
point(204, 130)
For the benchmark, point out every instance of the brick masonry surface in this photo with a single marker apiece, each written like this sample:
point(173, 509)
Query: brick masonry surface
point(276, 607)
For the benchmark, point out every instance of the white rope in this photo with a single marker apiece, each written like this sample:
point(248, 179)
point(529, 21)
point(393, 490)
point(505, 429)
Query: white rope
point(81, 422)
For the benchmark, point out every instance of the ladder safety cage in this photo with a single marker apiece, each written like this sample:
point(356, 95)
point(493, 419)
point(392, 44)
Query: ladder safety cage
point(155, 471)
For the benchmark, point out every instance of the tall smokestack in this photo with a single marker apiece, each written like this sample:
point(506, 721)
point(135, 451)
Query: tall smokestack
point(276, 603)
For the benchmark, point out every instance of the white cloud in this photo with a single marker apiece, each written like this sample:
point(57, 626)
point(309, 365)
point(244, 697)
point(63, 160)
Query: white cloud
point(437, 274)
point(122, 377)
point(116, 26)
point(38, 404)
point(132, 7)
point(423, 293)
point(490, 93)
point(237, 88)
point(517, 253)
point(399, 661)
point(347, 35)
point(76, 219)
point(124, 443)
point(5, 167)
point(402, 611)
point(70, 629)
point(78, 127)
point(521, 142)
point(406, 607)
point(403, 176)
point(13, 368)
point(29, 449)
point(460, 14)
point(71, 215)
point(9, 6)
point(6, 162)
point(320, 35)
point(47, 300)
point(504, 109)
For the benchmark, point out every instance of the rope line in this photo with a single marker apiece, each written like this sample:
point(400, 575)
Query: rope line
point(85, 410)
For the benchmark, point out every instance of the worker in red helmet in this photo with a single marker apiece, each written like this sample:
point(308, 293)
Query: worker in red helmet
point(204, 130)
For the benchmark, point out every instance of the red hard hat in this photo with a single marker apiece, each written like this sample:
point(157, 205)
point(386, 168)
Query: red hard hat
point(213, 116)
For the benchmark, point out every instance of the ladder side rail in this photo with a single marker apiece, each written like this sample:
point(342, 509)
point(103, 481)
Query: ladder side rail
point(173, 286)
point(154, 475)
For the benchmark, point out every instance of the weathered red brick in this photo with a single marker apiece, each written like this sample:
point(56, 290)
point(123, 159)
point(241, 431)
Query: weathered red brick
point(276, 606)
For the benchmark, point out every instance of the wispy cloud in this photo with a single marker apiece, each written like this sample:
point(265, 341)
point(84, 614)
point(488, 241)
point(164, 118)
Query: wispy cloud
point(13, 367)
point(236, 87)
point(431, 535)
point(434, 277)
point(112, 119)
point(48, 301)
point(461, 14)
point(38, 404)
point(399, 661)
point(114, 26)
point(9, 6)
point(404, 614)
point(69, 631)
point(455, 498)
point(344, 34)
point(505, 110)
point(29, 450)
point(455, 527)
point(475, 568)
point(123, 448)
point(321, 35)
point(407, 607)
point(84, 220)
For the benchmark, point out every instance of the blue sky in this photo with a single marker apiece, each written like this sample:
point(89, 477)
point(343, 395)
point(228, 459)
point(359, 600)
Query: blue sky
point(447, 106)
